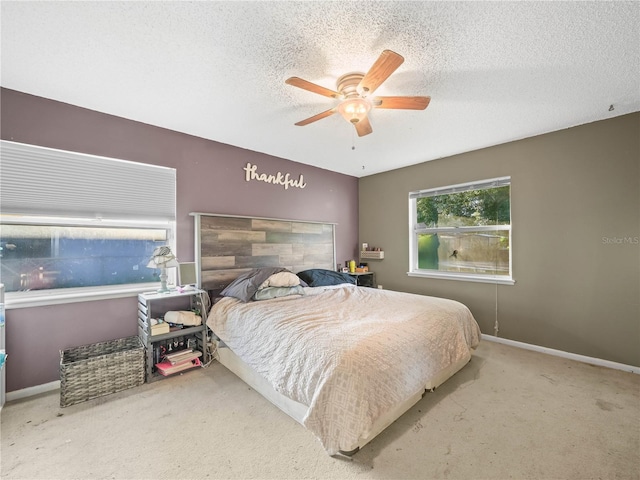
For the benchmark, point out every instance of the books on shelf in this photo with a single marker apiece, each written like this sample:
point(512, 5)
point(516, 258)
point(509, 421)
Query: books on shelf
point(167, 368)
point(178, 361)
point(182, 356)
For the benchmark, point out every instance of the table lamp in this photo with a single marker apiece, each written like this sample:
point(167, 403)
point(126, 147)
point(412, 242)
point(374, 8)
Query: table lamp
point(163, 258)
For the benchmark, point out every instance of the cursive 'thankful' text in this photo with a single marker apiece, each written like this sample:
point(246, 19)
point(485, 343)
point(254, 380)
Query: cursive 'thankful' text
point(278, 179)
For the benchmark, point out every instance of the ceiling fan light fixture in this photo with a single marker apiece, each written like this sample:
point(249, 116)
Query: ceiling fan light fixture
point(354, 109)
point(355, 89)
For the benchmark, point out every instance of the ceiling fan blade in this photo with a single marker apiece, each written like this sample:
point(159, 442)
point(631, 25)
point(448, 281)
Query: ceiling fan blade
point(317, 117)
point(386, 64)
point(363, 127)
point(403, 103)
point(311, 87)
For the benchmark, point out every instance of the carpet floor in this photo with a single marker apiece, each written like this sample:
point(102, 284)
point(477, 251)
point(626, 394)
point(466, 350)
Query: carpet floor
point(509, 414)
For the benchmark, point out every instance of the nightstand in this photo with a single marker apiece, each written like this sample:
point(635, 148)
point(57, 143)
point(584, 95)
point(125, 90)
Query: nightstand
point(365, 279)
point(187, 346)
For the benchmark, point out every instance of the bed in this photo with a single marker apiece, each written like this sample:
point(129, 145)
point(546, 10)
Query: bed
point(342, 360)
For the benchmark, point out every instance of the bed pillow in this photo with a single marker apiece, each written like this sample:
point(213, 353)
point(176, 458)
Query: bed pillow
point(318, 277)
point(268, 293)
point(281, 279)
point(246, 285)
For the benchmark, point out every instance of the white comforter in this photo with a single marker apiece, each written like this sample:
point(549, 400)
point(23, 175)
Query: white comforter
point(349, 353)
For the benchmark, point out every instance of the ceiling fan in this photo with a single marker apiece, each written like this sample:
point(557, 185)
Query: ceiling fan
point(354, 90)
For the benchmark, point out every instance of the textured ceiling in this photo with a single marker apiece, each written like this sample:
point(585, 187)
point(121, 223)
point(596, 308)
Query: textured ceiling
point(496, 71)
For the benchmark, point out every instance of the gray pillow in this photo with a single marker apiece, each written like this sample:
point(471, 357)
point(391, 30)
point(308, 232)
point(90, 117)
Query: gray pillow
point(246, 285)
point(268, 293)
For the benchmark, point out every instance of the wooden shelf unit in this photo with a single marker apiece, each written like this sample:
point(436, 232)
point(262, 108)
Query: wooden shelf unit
point(155, 305)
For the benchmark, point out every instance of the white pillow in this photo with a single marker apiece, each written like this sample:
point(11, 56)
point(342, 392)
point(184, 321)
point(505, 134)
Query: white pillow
point(281, 279)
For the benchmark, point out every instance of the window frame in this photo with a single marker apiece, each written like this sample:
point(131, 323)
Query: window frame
point(47, 186)
point(414, 233)
point(55, 296)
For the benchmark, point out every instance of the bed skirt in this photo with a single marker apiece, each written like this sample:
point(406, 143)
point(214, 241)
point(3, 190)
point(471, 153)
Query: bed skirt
point(298, 411)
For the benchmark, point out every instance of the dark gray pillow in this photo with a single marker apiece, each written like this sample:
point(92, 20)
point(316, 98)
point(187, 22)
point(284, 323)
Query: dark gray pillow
point(246, 285)
point(318, 277)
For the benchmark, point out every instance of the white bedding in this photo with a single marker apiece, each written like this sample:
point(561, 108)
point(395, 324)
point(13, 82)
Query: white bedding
point(349, 353)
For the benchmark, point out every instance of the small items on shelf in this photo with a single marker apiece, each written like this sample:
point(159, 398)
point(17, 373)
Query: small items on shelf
point(371, 253)
point(160, 328)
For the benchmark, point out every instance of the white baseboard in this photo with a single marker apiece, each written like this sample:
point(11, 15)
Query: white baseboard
point(559, 353)
point(31, 391)
point(47, 387)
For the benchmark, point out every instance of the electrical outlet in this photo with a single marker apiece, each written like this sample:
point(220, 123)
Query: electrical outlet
point(380, 287)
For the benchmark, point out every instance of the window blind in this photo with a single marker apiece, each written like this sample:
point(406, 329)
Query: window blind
point(43, 181)
point(463, 187)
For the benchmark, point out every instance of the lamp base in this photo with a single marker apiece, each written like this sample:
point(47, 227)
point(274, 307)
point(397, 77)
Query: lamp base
point(163, 281)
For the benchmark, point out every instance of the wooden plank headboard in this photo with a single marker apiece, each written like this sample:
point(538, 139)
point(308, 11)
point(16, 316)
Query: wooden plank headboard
point(227, 246)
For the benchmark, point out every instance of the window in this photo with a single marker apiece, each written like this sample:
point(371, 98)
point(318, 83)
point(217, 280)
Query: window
point(43, 257)
point(76, 225)
point(462, 232)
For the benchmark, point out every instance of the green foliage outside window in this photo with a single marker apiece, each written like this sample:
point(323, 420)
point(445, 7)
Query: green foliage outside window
point(464, 232)
point(474, 207)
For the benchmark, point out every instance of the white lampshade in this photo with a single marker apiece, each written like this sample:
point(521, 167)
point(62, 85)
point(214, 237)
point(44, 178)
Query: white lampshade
point(162, 258)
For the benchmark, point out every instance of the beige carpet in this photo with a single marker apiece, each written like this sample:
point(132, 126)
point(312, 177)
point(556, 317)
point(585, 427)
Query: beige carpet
point(510, 413)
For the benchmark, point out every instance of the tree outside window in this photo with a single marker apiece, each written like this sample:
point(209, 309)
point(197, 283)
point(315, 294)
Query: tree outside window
point(462, 230)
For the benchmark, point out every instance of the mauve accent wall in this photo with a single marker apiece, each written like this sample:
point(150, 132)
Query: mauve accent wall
point(210, 178)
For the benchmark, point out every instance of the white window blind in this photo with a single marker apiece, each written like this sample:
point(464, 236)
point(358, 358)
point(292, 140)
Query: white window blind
point(43, 181)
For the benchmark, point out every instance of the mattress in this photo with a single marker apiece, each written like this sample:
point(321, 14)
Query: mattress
point(349, 359)
point(298, 411)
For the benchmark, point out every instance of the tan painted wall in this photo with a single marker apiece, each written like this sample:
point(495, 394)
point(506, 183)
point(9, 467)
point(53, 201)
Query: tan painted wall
point(575, 208)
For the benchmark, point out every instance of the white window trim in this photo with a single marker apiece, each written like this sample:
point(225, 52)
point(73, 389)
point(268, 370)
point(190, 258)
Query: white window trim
point(414, 271)
point(57, 296)
point(465, 277)
point(42, 298)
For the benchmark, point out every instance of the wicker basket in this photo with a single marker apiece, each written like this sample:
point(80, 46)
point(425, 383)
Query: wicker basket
point(99, 369)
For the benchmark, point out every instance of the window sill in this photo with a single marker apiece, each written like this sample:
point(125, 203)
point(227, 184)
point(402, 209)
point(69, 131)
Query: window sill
point(42, 298)
point(501, 280)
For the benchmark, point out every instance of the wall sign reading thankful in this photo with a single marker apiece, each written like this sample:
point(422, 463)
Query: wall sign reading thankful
point(279, 179)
